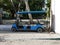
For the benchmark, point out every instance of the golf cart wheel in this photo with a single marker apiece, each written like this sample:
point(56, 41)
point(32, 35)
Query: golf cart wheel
point(40, 30)
point(13, 29)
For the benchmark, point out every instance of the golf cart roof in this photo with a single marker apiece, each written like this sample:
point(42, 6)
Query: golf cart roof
point(32, 12)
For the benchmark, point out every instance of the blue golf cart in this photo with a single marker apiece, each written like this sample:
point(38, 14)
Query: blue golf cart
point(32, 27)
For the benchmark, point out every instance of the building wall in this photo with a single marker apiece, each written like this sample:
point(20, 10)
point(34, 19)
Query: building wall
point(56, 11)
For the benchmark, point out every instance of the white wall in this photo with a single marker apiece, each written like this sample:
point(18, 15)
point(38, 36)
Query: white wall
point(56, 11)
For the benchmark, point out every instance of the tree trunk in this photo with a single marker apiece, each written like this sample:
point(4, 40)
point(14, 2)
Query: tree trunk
point(18, 18)
point(13, 7)
point(1, 11)
point(28, 9)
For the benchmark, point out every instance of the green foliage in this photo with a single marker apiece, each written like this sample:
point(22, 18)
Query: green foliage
point(33, 4)
point(36, 4)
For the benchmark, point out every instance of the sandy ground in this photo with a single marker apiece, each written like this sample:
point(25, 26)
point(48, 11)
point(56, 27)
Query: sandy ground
point(32, 42)
point(25, 38)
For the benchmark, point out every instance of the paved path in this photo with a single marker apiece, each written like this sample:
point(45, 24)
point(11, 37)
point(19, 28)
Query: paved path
point(5, 27)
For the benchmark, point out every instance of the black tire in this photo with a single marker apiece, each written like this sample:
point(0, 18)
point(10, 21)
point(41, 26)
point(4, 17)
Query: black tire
point(13, 29)
point(40, 30)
